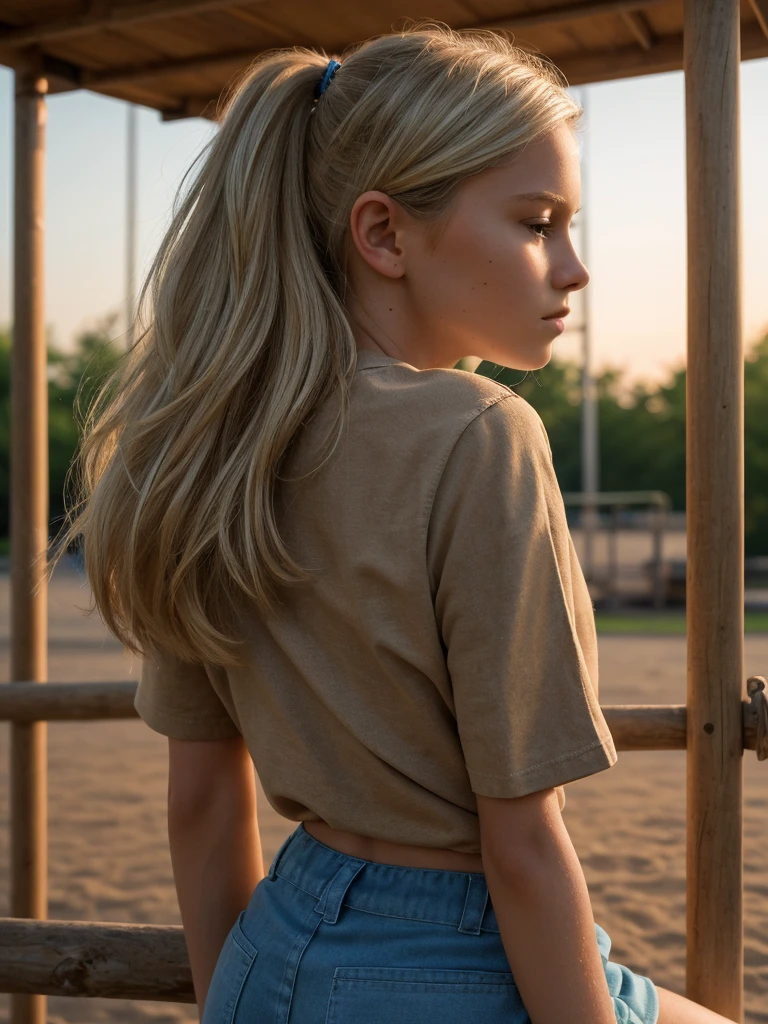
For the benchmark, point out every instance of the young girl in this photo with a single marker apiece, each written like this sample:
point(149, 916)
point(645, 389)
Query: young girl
point(393, 627)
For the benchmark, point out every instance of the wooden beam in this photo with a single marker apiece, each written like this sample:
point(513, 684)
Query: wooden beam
point(632, 62)
point(600, 66)
point(79, 958)
point(714, 974)
point(61, 74)
point(626, 62)
point(150, 10)
point(639, 27)
point(204, 62)
point(106, 18)
point(137, 72)
point(67, 702)
point(566, 12)
point(760, 7)
point(64, 76)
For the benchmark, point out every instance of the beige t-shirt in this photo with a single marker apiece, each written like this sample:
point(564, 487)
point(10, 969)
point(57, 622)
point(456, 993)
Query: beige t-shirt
point(446, 644)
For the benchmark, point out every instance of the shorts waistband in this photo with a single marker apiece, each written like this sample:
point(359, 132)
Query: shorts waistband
point(455, 898)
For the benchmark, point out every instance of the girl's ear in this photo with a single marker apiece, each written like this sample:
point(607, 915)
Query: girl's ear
point(374, 226)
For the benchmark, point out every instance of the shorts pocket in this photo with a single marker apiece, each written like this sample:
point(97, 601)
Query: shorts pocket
point(423, 995)
point(235, 961)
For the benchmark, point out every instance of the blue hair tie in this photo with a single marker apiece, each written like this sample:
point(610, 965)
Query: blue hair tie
point(330, 71)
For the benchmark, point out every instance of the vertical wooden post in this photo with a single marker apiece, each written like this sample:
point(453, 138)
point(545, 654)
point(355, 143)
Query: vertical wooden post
point(715, 510)
point(29, 519)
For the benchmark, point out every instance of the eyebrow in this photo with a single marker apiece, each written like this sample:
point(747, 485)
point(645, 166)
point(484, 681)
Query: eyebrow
point(551, 197)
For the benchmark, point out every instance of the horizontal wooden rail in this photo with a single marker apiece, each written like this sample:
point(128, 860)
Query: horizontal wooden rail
point(80, 958)
point(633, 726)
point(66, 702)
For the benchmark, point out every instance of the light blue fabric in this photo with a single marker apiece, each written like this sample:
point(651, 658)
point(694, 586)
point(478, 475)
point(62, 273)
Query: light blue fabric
point(331, 939)
point(635, 997)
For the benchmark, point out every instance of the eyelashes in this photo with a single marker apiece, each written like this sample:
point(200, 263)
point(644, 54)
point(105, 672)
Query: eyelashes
point(536, 227)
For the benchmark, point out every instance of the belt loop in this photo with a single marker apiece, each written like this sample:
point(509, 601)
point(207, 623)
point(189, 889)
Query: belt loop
point(276, 859)
point(474, 905)
point(333, 895)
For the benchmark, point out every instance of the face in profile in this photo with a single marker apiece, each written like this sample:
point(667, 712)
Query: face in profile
point(491, 280)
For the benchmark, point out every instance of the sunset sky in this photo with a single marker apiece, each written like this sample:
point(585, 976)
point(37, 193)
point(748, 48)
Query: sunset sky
point(633, 194)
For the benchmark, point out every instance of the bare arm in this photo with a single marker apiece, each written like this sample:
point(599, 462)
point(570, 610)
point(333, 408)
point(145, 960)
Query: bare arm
point(540, 897)
point(215, 844)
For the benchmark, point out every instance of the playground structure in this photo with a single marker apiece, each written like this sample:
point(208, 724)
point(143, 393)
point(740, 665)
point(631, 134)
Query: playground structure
point(176, 56)
point(642, 551)
point(607, 582)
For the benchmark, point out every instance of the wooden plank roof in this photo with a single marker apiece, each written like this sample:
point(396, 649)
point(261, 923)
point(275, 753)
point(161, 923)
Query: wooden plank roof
point(178, 55)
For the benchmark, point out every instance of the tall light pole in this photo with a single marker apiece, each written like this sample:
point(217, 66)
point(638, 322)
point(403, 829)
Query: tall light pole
point(130, 225)
point(590, 456)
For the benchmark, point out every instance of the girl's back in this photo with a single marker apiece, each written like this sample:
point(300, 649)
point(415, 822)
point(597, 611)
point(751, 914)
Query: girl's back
point(416, 532)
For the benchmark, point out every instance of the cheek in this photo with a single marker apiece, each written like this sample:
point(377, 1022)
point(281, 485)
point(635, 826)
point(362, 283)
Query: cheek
point(482, 261)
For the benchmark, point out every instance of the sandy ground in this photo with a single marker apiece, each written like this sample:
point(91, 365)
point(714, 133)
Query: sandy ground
point(109, 860)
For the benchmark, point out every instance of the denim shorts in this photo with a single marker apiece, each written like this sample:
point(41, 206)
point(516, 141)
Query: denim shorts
point(331, 939)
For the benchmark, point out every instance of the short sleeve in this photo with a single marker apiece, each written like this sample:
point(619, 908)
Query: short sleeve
point(513, 610)
point(177, 699)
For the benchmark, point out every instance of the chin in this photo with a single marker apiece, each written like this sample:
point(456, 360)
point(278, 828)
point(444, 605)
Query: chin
point(525, 361)
point(519, 360)
point(529, 365)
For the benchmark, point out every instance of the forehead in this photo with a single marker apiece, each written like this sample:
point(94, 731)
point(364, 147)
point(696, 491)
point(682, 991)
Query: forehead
point(546, 165)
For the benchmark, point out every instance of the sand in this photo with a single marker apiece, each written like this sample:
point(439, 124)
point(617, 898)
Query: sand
point(108, 853)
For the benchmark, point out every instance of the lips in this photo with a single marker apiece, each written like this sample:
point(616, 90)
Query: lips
point(558, 315)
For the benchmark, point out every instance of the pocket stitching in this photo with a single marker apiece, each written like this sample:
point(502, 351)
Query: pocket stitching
point(383, 975)
point(242, 939)
point(439, 975)
point(250, 952)
point(247, 954)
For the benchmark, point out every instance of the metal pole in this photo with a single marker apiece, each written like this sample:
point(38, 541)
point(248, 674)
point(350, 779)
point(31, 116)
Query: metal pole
point(658, 520)
point(715, 511)
point(589, 427)
point(613, 559)
point(29, 517)
point(130, 222)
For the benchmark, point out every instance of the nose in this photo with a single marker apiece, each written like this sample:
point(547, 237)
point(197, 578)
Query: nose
point(571, 275)
point(579, 274)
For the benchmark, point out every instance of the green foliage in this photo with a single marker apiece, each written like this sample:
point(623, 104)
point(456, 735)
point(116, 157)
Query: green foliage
point(642, 432)
point(756, 449)
point(73, 378)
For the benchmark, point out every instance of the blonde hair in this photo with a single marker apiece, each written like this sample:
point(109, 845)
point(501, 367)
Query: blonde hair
point(182, 447)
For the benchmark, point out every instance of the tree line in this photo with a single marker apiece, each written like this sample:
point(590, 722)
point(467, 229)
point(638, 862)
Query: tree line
point(641, 427)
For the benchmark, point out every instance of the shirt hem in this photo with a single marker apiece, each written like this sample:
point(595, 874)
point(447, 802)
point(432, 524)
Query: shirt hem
point(207, 728)
point(589, 760)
